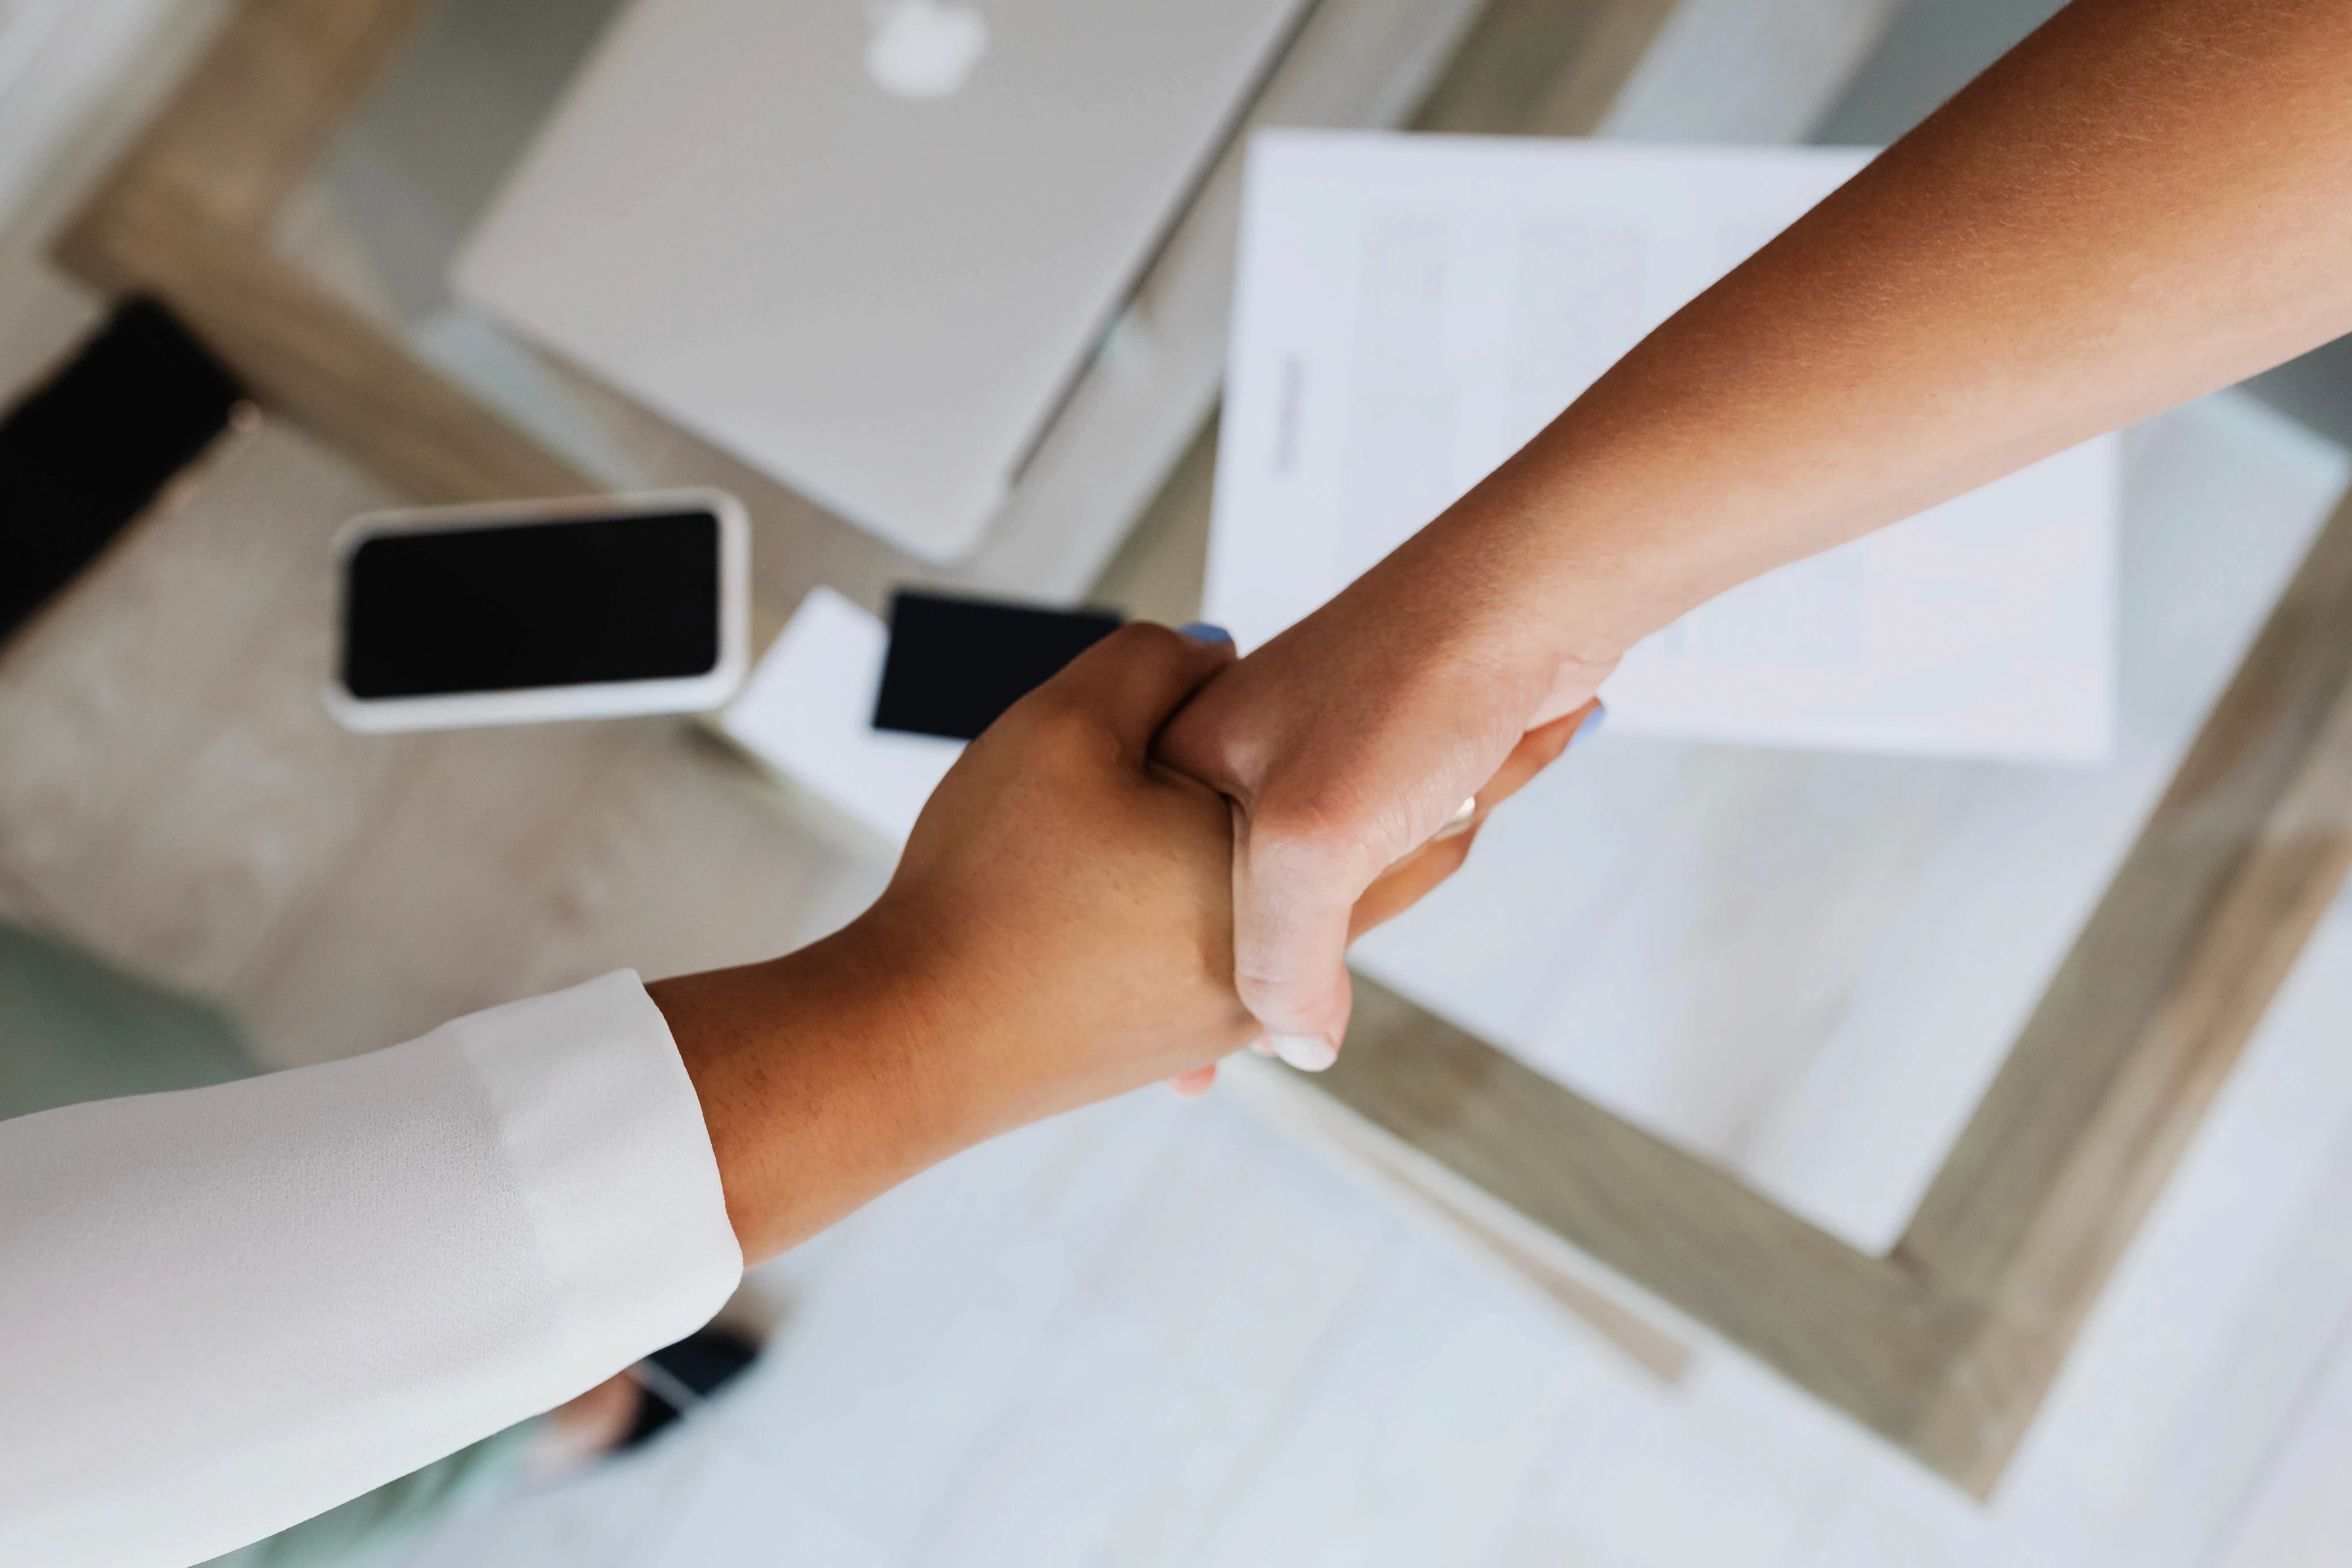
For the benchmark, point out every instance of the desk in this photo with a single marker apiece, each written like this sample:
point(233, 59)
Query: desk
point(1947, 1345)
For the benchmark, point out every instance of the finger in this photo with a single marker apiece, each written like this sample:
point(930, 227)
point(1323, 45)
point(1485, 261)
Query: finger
point(1537, 750)
point(1192, 1086)
point(1134, 678)
point(1407, 881)
point(1410, 880)
point(1296, 907)
point(1291, 902)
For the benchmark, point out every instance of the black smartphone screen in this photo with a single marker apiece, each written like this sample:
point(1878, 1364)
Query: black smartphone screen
point(509, 606)
point(955, 663)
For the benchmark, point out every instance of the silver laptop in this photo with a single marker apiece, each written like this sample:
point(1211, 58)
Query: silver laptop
point(866, 246)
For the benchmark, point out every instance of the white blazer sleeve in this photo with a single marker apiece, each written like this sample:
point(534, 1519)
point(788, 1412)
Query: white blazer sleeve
point(225, 1310)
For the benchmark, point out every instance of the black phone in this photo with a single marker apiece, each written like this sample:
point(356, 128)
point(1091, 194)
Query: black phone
point(955, 663)
point(466, 615)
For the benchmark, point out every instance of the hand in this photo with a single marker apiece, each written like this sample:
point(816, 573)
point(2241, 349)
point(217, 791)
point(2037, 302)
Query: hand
point(1065, 900)
point(1346, 743)
point(1084, 890)
point(1059, 930)
point(2142, 202)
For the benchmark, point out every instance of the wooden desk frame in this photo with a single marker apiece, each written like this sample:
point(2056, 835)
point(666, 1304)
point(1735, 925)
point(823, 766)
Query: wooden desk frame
point(1949, 1344)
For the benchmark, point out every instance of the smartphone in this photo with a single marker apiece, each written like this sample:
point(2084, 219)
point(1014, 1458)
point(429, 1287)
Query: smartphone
point(954, 663)
point(524, 612)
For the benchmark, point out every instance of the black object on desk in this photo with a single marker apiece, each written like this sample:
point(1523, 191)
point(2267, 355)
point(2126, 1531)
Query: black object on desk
point(955, 664)
point(86, 451)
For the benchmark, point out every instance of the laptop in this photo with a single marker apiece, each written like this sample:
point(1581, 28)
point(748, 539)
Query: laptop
point(867, 247)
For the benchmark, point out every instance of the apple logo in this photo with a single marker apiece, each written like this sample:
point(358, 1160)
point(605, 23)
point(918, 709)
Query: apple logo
point(923, 49)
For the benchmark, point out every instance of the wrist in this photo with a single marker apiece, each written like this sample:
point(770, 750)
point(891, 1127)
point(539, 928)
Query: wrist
point(1589, 539)
point(1515, 606)
point(821, 1079)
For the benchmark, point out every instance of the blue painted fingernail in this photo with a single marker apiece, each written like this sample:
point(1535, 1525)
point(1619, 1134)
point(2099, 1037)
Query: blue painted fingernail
point(1592, 725)
point(1203, 631)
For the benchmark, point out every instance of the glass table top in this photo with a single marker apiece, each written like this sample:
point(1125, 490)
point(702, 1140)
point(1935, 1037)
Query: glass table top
point(1807, 965)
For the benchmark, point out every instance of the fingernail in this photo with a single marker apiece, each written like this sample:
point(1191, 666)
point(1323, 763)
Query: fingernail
point(1464, 815)
point(1263, 1046)
point(1592, 725)
point(1307, 1052)
point(1204, 631)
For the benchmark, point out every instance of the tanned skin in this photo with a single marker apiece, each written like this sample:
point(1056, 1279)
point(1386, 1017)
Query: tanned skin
point(1059, 930)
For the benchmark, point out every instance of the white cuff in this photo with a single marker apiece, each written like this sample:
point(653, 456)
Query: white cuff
point(226, 1310)
point(604, 1131)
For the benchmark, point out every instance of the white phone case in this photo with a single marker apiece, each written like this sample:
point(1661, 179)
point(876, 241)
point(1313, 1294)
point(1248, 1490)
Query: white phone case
point(614, 699)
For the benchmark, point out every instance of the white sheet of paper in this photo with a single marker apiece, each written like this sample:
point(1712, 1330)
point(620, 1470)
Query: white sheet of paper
point(807, 711)
point(1412, 309)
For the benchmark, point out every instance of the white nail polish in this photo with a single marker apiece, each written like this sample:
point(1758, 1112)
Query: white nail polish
point(1263, 1045)
point(1307, 1052)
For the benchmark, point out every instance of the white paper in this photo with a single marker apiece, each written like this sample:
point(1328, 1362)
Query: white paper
point(808, 713)
point(1412, 309)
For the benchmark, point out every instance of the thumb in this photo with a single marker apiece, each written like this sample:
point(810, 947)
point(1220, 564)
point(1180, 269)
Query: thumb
point(1292, 901)
point(1134, 678)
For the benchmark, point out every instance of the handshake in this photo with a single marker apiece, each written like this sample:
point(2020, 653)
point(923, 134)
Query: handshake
point(1061, 929)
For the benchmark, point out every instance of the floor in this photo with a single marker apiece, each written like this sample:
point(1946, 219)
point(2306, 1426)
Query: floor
point(1150, 1334)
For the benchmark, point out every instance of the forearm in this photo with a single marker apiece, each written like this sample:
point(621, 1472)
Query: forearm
point(2146, 199)
point(821, 1083)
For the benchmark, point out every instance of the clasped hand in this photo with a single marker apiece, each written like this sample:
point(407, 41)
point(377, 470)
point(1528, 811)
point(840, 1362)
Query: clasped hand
point(1060, 929)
